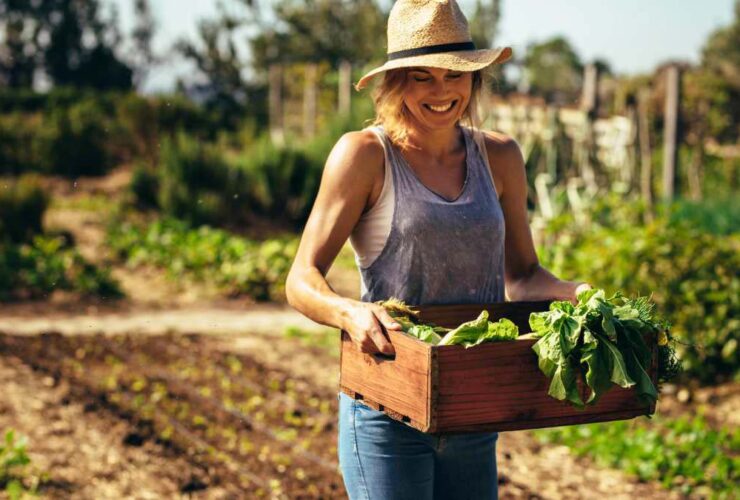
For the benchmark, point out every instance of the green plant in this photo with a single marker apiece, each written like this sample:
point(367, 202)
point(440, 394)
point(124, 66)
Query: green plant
point(195, 182)
point(601, 340)
point(690, 273)
point(684, 454)
point(238, 266)
point(35, 269)
point(144, 186)
point(22, 206)
point(13, 459)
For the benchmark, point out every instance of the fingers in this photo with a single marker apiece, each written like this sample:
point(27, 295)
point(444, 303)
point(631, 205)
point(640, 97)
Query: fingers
point(386, 319)
point(366, 329)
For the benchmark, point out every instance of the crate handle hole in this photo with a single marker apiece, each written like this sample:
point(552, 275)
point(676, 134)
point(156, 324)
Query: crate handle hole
point(379, 356)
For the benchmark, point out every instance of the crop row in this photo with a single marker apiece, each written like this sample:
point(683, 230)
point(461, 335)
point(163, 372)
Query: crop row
point(253, 427)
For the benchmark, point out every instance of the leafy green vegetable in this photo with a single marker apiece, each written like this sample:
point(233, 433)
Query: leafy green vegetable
point(599, 339)
point(425, 333)
point(469, 334)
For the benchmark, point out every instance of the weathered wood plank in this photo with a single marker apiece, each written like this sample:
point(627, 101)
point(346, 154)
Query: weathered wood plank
point(402, 384)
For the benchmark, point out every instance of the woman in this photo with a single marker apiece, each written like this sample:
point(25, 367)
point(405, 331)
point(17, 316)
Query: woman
point(430, 207)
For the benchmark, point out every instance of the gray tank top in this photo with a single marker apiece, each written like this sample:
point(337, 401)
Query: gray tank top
point(440, 251)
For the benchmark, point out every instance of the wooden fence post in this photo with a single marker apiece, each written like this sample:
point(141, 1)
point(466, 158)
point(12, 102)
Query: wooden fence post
point(309, 100)
point(345, 87)
point(590, 108)
point(670, 131)
point(590, 95)
point(275, 103)
point(696, 167)
point(646, 160)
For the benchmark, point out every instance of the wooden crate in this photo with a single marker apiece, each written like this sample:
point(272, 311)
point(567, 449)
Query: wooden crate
point(489, 387)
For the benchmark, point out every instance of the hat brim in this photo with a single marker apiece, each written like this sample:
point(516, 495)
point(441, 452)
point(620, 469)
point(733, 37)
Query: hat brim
point(469, 60)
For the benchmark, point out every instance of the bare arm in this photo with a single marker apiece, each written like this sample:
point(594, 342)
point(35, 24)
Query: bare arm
point(346, 185)
point(525, 278)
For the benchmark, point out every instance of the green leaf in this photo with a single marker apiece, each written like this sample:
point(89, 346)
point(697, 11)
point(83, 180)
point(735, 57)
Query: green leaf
point(645, 388)
point(563, 385)
point(619, 374)
point(538, 322)
point(599, 362)
point(425, 333)
point(502, 329)
point(468, 331)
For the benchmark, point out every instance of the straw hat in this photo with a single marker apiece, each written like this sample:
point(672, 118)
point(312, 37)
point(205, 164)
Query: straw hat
point(432, 33)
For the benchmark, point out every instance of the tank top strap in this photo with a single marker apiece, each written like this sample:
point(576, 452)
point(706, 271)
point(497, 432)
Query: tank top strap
point(478, 150)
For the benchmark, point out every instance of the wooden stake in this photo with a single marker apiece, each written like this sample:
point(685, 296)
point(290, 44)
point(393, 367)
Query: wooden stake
point(275, 103)
point(670, 132)
point(646, 163)
point(309, 100)
point(345, 87)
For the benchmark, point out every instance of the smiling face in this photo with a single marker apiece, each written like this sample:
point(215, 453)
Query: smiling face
point(436, 97)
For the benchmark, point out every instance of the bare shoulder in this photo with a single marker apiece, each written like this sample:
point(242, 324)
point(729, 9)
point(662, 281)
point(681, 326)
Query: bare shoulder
point(359, 151)
point(356, 166)
point(501, 147)
point(507, 163)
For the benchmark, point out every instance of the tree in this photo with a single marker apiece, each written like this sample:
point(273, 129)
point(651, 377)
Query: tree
point(718, 80)
point(484, 23)
point(70, 40)
point(143, 32)
point(18, 58)
point(321, 30)
point(554, 70)
point(222, 86)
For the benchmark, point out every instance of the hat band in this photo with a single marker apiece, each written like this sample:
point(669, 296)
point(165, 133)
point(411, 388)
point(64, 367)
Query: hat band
point(432, 49)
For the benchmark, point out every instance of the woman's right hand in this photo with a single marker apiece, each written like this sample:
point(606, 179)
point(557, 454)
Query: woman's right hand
point(364, 322)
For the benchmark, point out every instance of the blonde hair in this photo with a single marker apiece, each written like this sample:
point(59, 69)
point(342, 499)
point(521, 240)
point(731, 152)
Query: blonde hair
point(392, 114)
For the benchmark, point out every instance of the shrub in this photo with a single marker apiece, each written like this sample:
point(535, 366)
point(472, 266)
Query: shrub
point(22, 206)
point(75, 140)
point(21, 144)
point(692, 275)
point(35, 269)
point(144, 186)
point(196, 183)
point(238, 266)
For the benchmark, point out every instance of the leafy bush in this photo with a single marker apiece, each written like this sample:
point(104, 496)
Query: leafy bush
point(144, 186)
point(280, 181)
point(196, 183)
point(238, 266)
point(692, 275)
point(683, 454)
point(717, 215)
point(35, 269)
point(22, 206)
point(21, 146)
point(75, 140)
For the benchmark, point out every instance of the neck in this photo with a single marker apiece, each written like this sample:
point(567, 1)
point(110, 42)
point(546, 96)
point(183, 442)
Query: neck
point(437, 143)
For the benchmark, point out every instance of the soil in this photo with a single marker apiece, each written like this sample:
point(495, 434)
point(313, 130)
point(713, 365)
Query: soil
point(175, 392)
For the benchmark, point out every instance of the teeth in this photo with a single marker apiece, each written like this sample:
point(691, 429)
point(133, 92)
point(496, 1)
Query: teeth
point(440, 109)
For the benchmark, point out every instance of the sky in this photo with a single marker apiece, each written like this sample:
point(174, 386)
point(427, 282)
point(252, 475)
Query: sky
point(633, 36)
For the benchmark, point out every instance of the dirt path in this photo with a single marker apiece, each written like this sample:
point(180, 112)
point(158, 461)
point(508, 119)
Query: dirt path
point(261, 318)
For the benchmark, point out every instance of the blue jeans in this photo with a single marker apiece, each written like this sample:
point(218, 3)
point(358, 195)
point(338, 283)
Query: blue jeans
point(383, 459)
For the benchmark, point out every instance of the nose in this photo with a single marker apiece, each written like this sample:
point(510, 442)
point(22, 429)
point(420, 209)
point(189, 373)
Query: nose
point(439, 87)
